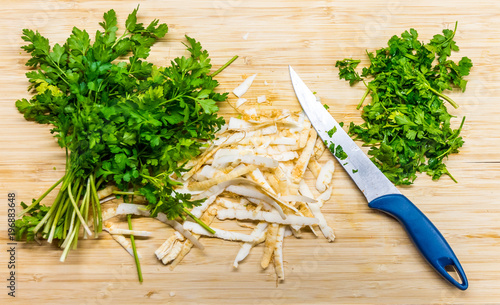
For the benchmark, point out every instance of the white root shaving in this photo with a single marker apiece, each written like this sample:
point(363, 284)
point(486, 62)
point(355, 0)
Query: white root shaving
point(125, 243)
point(219, 233)
point(243, 87)
point(278, 254)
point(314, 167)
point(259, 233)
point(305, 156)
point(240, 101)
point(323, 225)
point(249, 191)
point(298, 198)
point(270, 217)
point(167, 246)
point(237, 172)
point(325, 176)
point(140, 210)
point(107, 191)
point(113, 230)
point(319, 148)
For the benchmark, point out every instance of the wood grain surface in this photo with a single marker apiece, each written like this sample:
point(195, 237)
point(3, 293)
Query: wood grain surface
point(372, 261)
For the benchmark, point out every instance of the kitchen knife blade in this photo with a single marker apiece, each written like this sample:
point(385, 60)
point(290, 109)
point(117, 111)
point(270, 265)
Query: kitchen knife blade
point(379, 191)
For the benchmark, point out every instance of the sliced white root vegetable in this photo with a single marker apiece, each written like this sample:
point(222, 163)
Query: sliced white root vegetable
point(288, 231)
point(202, 159)
point(260, 203)
point(319, 148)
point(209, 172)
point(314, 167)
point(324, 197)
point(272, 139)
point(108, 214)
point(325, 176)
point(304, 133)
point(240, 101)
point(179, 228)
point(298, 198)
point(106, 199)
point(270, 217)
point(261, 99)
point(243, 87)
point(323, 225)
point(252, 192)
point(136, 209)
point(278, 254)
point(198, 210)
point(125, 243)
point(259, 178)
point(107, 191)
point(304, 189)
point(166, 247)
point(305, 156)
point(173, 253)
point(237, 172)
point(238, 124)
point(285, 156)
point(113, 230)
point(247, 159)
point(260, 233)
point(271, 235)
point(219, 233)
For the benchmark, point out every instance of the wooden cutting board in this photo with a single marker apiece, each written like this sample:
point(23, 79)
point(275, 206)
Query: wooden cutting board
point(372, 260)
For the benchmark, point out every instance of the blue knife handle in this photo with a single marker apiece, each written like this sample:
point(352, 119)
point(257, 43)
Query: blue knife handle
point(424, 235)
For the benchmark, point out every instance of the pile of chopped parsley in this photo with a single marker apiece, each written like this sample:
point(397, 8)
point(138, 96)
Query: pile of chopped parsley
point(407, 124)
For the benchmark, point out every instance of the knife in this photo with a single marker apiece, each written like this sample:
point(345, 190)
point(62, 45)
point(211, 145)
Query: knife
point(380, 193)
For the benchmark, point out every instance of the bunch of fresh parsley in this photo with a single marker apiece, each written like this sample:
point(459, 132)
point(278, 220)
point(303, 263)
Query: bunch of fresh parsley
point(407, 124)
point(121, 120)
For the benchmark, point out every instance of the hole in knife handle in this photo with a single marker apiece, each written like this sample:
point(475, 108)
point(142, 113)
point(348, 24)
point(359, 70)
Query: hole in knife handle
point(452, 270)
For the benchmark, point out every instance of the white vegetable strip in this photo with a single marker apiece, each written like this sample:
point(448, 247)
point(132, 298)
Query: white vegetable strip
point(166, 247)
point(260, 233)
point(259, 178)
point(111, 229)
point(240, 101)
point(249, 191)
point(198, 210)
point(325, 176)
point(323, 225)
point(271, 234)
point(324, 197)
point(173, 253)
point(247, 159)
point(223, 234)
point(278, 254)
point(261, 99)
point(125, 243)
point(237, 172)
point(136, 209)
point(319, 148)
point(298, 198)
point(304, 133)
point(243, 87)
point(305, 156)
point(107, 191)
point(314, 167)
point(270, 217)
point(305, 190)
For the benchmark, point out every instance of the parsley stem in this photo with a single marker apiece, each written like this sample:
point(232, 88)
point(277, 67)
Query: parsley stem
point(41, 197)
point(80, 217)
point(125, 193)
point(363, 98)
point(198, 221)
point(134, 249)
point(224, 66)
point(455, 105)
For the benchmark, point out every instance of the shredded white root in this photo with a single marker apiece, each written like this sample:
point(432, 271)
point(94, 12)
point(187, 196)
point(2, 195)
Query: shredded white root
point(325, 176)
point(107, 191)
point(243, 87)
point(270, 217)
point(113, 230)
point(278, 254)
point(323, 226)
point(222, 234)
point(254, 173)
point(125, 243)
point(259, 233)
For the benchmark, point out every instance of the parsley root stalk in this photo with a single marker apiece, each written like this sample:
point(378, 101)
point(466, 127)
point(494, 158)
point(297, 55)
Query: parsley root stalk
point(121, 120)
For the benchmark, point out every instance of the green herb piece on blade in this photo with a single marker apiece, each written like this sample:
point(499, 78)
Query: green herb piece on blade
point(407, 124)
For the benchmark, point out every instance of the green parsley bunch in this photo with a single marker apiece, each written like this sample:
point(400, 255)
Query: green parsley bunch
point(121, 120)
